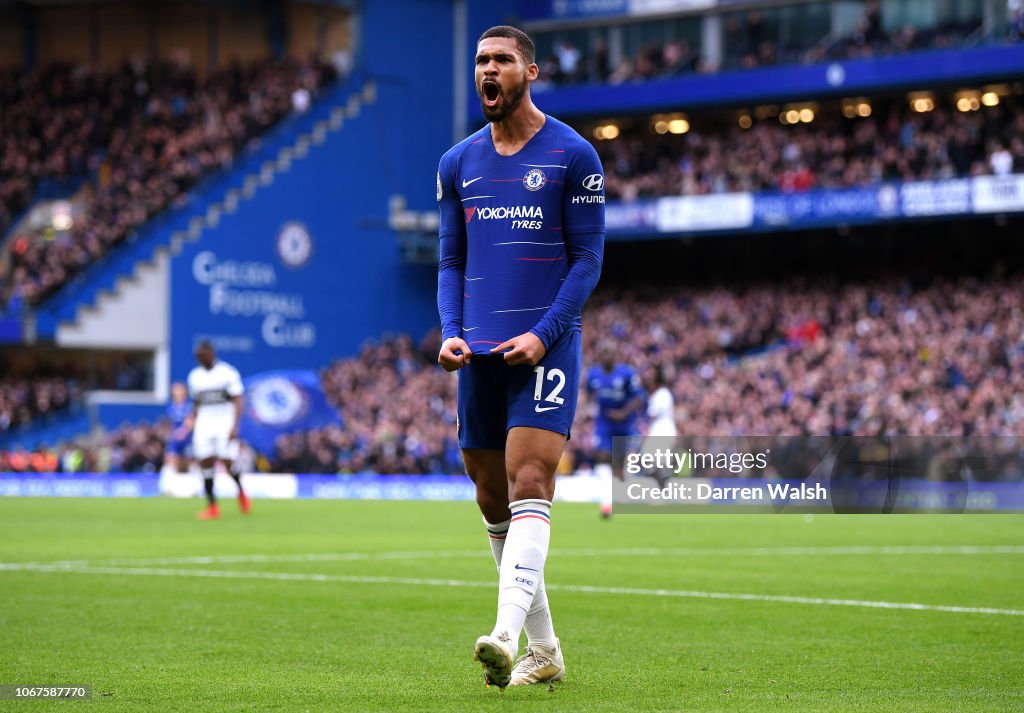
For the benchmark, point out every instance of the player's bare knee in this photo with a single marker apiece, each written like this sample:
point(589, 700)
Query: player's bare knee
point(534, 479)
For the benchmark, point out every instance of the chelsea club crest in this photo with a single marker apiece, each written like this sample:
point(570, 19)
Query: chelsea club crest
point(534, 179)
point(277, 402)
point(294, 244)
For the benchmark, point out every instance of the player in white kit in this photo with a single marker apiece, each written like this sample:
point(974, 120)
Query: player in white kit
point(661, 409)
point(661, 414)
point(216, 391)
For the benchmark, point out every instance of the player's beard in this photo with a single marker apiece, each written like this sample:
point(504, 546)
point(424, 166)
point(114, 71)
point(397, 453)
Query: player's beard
point(510, 100)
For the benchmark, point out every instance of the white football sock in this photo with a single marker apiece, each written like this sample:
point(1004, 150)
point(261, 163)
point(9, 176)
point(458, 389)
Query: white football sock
point(522, 566)
point(540, 631)
point(496, 537)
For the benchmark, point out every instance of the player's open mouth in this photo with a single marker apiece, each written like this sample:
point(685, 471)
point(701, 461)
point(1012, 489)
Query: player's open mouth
point(491, 92)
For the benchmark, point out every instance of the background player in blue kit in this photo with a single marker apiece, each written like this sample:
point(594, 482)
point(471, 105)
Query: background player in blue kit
point(620, 397)
point(522, 237)
point(179, 412)
point(177, 451)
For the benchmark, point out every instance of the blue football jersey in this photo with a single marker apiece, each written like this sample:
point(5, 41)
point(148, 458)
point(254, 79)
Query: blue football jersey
point(521, 236)
point(613, 390)
point(177, 413)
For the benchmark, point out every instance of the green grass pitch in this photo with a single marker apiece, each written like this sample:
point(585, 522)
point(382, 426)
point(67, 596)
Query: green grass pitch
point(374, 606)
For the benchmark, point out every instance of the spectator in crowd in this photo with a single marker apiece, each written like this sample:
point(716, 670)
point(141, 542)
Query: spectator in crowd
point(1000, 160)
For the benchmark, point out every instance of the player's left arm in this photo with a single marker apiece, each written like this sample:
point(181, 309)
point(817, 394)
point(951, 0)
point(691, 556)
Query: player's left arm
point(583, 232)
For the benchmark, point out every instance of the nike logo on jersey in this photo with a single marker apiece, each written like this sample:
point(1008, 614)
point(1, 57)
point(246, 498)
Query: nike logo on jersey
point(474, 180)
point(538, 408)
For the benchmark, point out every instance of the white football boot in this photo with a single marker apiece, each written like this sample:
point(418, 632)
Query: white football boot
point(496, 654)
point(539, 664)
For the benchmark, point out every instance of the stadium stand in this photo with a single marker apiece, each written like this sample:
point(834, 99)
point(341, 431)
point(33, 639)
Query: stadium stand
point(893, 143)
point(143, 134)
point(22, 400)
point(751, 39)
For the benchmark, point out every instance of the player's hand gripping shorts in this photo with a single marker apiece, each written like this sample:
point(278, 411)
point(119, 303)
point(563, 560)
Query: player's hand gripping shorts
point(495, 397)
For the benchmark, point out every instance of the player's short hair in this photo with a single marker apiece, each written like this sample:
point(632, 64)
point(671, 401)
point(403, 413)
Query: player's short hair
point(523, 42)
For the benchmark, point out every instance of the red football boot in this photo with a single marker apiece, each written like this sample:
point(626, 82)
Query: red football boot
point(212, 512)
point(244, 504)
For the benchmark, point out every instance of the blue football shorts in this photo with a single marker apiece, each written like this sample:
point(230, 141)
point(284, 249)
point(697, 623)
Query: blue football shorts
point(495, 397)
point(605, 431)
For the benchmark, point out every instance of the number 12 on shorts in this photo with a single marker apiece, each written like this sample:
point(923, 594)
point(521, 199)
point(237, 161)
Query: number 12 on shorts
point(557, 376)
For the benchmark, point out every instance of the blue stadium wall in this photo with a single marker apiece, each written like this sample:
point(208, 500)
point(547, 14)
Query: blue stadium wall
point(308, 270)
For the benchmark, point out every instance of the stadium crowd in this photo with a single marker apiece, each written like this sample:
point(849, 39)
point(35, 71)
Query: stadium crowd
point(24, 399)
point(832, 152)
point(142, 134)
point(41, 390)
point(747, 45)
point(811, 358)
point(398, 410)
point(133, 448)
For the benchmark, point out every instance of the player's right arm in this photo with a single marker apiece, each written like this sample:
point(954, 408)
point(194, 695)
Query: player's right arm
point(451, 269)
point(236, 389)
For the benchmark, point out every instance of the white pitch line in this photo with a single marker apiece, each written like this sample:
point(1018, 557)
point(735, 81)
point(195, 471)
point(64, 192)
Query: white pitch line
point(590, 552)
point(416, 581)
